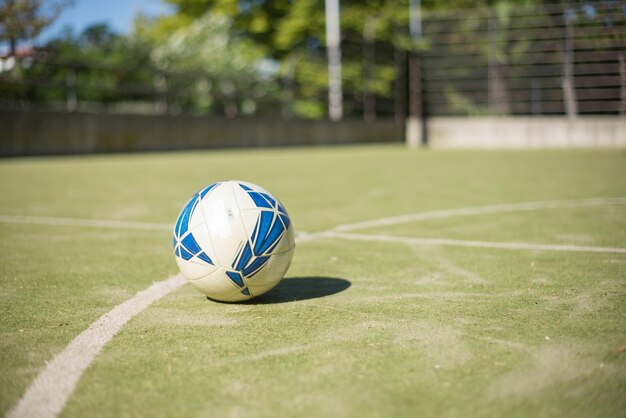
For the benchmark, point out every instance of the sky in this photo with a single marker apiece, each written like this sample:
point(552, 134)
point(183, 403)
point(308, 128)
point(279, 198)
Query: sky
point(119, 14)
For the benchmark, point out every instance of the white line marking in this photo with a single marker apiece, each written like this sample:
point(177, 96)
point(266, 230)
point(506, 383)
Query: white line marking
point(475, 244)
point(302, 236)
point(394, 220)
point(96, 223)
point(48, 393)
point(482, 210)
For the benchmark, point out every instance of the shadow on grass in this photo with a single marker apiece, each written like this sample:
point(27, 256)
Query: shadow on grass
point(292, 289)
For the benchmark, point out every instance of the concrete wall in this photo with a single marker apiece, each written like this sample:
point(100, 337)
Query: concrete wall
point(527, 132)
point(52, 133)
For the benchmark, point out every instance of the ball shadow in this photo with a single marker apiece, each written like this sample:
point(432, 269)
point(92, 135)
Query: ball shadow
point(292, 289)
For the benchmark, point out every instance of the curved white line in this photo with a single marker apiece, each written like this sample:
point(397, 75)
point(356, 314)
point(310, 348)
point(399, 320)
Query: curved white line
point(482, 210)
point(394, 220)
point(48, 393)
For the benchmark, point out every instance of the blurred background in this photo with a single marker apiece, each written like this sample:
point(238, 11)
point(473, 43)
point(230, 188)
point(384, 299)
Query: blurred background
point(88, 76)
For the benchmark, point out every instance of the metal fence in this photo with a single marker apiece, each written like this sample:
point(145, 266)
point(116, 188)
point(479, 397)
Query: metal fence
point(44, 82)
point(559, 59)
point(522, 60)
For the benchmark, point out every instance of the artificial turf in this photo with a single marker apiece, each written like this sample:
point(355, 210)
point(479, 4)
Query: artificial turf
point(357, 329)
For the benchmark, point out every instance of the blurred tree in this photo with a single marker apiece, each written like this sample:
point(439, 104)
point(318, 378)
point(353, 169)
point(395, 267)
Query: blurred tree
point(217, 60)
point(25, 19)
point(293, 34)
point(96, 65)
point(217, 49)
point(207, 46)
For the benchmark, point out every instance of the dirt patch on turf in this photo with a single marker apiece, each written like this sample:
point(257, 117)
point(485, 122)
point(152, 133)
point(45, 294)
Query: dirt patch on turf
point(277, 352)
point(183, 318)
point(443, 347)
point(542, 281)
point(505, 343)
point(446, 295)
point(583, 304)
point(466, 275)
point(550, 366)
point(445, 267)
point(436, 278)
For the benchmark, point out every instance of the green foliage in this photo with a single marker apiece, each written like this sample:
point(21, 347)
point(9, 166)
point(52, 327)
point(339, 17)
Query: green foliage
point(309, 109)
point(153, 31)
point(101, 61)
point(25, 19)
point(462, 104)
point(223, 45)
point(207, 46)
point(293, 33)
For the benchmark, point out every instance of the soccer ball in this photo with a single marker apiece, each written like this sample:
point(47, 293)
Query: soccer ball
point(233, 241)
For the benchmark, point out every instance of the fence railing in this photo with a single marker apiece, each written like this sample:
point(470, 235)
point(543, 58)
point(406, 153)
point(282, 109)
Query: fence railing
point(522, 60)
point(555, 59)
point(42, 82)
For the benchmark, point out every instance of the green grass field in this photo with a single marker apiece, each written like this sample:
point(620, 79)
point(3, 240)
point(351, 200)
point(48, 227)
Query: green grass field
point(357, 328)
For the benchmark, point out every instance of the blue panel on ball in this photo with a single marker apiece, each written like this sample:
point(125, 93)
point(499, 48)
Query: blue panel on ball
point(183, 220)
point(184, 254)
point(202, 256)
point(240, 264)
point(190, 243)
point(255, 266)
point(268, 231)
point(194, 248)
point(235, 277)
point(245, 292)
point(190, 246)
point(259, 200)
point(262, 229)
point(264, 243)
point(270, 199)
point(208, 189)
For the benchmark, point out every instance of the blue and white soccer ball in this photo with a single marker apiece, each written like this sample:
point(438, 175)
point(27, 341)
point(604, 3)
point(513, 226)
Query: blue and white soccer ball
point(233, 241)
